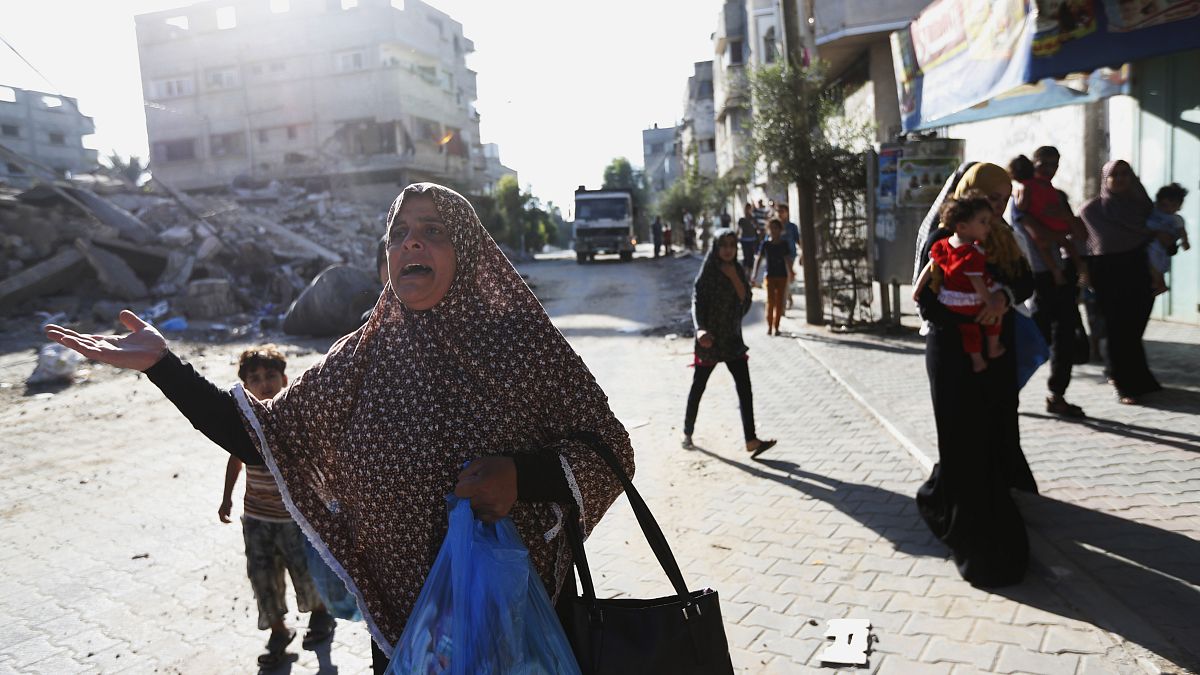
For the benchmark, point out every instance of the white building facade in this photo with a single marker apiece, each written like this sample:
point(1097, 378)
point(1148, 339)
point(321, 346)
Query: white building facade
point(47, 129)
point(354, 91)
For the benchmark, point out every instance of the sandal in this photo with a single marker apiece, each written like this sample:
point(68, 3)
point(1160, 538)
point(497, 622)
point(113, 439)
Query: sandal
point(1056, 405)
point(762, 447)
point(276, 647)
point(320, 629)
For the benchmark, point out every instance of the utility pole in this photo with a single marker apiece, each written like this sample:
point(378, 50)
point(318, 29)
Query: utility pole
point(794, 47)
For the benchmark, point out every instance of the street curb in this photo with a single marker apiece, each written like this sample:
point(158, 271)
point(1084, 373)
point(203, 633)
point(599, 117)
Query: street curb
point(1099, 603)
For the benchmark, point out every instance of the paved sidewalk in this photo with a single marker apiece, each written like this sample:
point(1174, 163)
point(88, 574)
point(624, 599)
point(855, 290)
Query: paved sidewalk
point(1120, 502)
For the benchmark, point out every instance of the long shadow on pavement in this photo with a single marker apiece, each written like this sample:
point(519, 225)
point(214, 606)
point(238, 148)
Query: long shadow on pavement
point(891, 515)
point(915, 348)
point(1154, 573)
point(1174, 439)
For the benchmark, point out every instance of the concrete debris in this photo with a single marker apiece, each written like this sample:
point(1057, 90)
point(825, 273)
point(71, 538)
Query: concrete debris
point(248, 252)
point(115, 275)
point(176, 237)
point(49, 276)
point(208, 299)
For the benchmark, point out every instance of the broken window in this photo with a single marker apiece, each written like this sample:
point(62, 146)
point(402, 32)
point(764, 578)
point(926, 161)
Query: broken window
point(770, 50)
point(453, 142)
point(280, 6)
point(345, 62)
point(733, 54)
point(367, 137)
point(226, 18)
point(175, 151)
point(222, 78)
point(227, 145)
point(427, 131)
point(10, 130)
point(708, 145)
point(57, 138)
point(14, 170)
point(172, 87)
point(8, 94)
point(52, 102)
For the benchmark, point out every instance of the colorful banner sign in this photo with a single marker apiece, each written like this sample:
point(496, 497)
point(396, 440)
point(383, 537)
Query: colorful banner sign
point(965, 60)
point(957, 53)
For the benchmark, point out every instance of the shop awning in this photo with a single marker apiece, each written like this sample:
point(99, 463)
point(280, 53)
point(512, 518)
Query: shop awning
point(966, 60)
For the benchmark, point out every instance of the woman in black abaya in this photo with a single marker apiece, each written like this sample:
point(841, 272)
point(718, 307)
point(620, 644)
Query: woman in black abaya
point(967, 501)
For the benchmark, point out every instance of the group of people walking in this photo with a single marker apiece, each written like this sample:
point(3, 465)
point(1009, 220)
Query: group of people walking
point(974, 275)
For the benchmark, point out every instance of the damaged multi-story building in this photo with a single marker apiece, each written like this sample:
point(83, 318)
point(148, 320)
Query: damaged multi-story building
point(44, 128)
point(364, 94)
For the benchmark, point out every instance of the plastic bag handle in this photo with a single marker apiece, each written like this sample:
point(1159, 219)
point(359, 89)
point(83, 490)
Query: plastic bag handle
point(650, 528)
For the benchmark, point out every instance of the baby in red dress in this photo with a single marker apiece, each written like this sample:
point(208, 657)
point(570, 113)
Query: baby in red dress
point(966, 284)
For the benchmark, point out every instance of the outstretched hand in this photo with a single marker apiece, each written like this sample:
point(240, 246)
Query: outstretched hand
point(491, 485)
point(138, 350)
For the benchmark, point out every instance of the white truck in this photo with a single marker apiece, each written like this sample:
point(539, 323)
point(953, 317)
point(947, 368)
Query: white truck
point(604, 223)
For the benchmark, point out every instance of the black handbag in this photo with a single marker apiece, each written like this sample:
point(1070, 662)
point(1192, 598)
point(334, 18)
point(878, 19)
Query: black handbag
point(681, 633)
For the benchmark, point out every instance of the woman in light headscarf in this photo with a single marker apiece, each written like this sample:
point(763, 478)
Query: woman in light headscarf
point(1117, 239)
point(720, 301)
point(457, 364)
point(966, 501)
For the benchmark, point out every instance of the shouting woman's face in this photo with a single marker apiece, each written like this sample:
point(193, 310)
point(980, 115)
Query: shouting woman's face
point(420, 257)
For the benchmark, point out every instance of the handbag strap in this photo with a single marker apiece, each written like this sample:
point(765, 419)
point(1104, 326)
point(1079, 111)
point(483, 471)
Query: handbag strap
point(650, 529)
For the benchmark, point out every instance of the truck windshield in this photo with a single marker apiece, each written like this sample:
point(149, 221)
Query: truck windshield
point(595, 209)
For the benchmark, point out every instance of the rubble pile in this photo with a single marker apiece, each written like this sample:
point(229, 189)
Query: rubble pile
point(238, 257)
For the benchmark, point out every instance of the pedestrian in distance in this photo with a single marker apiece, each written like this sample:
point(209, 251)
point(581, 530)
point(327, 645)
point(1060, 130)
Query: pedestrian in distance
point(967, 501)
point(656, 234)
point(668, 235)
point(791, 234)
point(1118, 235)
point(776, 254)
point(748, 236)
point(720, 301)
point(367, 443)
point(273, 540)
point(706, 230)
point(965, 283)
point(689, 231)
point(1166, 219)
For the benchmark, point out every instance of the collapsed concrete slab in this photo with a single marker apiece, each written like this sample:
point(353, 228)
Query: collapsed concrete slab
point(208, 299)
point(116, 277)
point(51, 275)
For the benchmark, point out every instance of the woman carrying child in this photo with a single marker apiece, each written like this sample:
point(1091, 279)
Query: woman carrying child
point(777, 253)
point(720, 300)
point(1166, 219)
point(967, 502)
point(966, 284)
point(1120, 275)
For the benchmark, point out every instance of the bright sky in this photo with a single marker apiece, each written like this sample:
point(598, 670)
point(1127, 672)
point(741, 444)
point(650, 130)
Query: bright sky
point(564, 85)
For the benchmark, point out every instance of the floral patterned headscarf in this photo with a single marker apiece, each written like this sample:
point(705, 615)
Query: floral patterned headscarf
point(366, 443)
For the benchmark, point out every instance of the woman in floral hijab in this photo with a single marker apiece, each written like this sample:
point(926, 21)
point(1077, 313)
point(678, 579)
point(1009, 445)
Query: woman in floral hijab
point(458, 364)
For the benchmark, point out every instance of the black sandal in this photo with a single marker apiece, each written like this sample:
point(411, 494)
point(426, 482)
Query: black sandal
point(1059, 406)
point(762, 447)
point(276, 648)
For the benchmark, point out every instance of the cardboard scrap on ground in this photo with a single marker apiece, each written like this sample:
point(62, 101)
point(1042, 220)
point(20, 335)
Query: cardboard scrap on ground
point(851, 640)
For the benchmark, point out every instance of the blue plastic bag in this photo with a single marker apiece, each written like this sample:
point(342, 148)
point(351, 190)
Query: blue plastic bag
point(483, 609)
point(337, 598)
point(1032, 350)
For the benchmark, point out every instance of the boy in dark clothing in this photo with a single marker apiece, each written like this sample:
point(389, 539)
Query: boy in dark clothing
point(748, 235)
point(778, 255)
